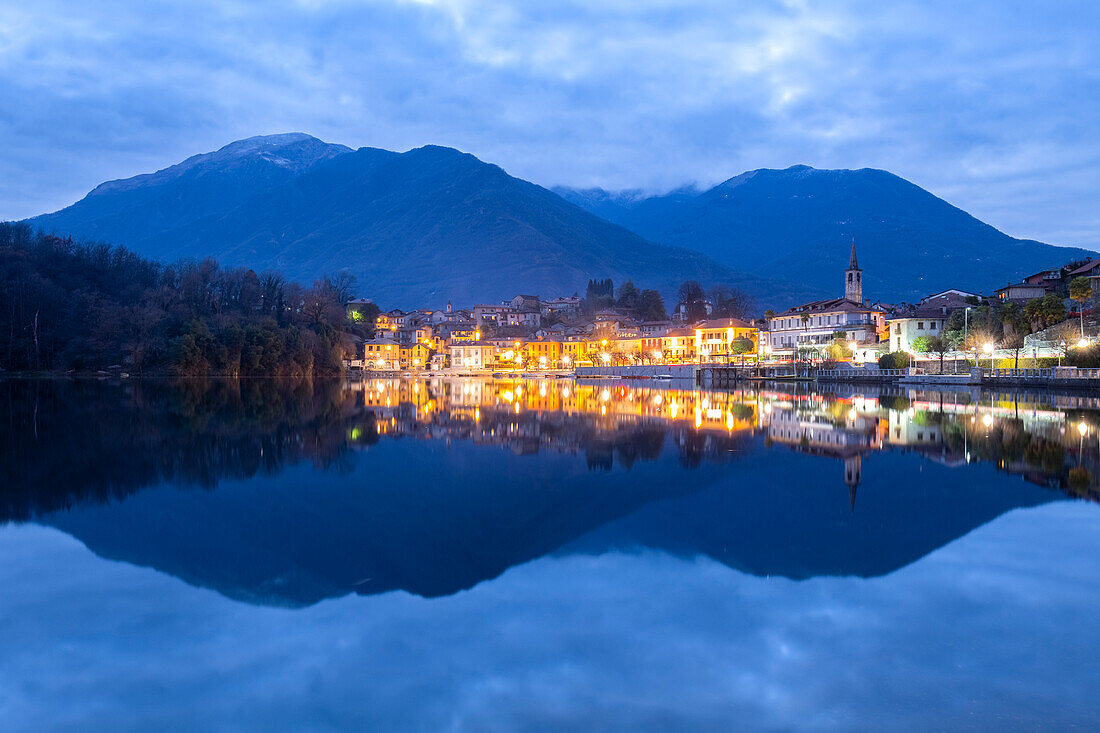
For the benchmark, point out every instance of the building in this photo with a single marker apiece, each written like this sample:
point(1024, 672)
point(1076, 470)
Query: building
point(950, 301)
point(1020, 292)
point(471, 356)
point(655, 328)
point(493, 314)
point(390, 320)
point(714, 339)
point(382, 354)
point(526, 318)
point(816, 324)
point(925, 320)
point(678, 345)
point(525, 303)
point(414, 356)
point(1051, 280)
point(543, 354)
point(568, 306)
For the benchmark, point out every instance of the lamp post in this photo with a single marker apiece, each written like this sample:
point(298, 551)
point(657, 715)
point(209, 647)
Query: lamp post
point(989, 350)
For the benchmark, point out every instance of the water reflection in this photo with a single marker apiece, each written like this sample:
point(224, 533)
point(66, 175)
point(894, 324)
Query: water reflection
point(289, 493)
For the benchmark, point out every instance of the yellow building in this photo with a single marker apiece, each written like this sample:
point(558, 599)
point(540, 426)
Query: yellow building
point(381, 354)
point(575, 353)
point(542, 354)
point(714, 339)
point(414, 356)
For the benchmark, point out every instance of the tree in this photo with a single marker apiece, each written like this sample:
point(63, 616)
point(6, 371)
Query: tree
point(730, 302)
point(940, 345)
point(693, 300)
point(1014, 342)
point(741, 346)
point(628, 298)
point(651, 306)
point(1080, 290)
point(923, 344)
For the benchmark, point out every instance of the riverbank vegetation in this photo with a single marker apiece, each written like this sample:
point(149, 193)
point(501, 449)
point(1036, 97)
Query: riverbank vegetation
point(67, 305)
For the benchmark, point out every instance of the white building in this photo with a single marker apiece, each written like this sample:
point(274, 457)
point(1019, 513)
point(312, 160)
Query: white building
point(819, 322)
point(926, 320)
point(471, 356)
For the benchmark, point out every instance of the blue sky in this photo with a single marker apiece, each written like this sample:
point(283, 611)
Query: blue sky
point(991, 104)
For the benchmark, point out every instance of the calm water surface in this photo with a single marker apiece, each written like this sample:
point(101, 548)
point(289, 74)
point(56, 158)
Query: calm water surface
point(466, 555)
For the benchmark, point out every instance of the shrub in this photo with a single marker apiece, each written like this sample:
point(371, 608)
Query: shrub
point(894, 360)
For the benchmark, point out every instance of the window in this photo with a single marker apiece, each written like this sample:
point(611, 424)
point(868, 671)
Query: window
point(932, 326)
point(920, 325)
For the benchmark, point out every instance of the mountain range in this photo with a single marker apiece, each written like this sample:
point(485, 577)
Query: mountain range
point(416, 228)
point(433, 225)
point(797, 224)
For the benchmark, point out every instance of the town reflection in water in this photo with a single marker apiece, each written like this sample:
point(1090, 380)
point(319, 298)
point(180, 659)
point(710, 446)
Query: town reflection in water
point(290, 493)
point(1052, 440)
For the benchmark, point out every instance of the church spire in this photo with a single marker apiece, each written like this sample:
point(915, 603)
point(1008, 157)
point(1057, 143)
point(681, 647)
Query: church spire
point(853, 278)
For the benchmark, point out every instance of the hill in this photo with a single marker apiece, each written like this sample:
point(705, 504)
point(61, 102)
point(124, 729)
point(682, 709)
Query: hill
point(416, 228)
point(797, 224)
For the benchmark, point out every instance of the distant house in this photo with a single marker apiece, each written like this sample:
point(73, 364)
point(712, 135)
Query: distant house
point(493, 314)
point(925, 320)
point(525, 303)
point(951, 294)
point(390, 320)
point(1020, 292)
point(527, 319)
point(1051, 280)
point(655, 328)
point(566, 306)
point(949, 301)
point(1091, 270)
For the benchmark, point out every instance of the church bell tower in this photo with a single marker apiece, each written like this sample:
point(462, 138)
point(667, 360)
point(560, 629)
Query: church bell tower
point(853, 278)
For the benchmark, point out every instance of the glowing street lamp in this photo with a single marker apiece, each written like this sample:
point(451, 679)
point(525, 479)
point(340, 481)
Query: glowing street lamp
point(988, 348)
point(1083, 429)
point(1082, 343)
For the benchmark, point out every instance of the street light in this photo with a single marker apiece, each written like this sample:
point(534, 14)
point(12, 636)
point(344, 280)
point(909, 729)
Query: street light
point(1082, 343)
point(988, 348)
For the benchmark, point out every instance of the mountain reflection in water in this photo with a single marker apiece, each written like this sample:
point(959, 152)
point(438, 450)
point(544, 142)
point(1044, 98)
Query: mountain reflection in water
point(289, 493)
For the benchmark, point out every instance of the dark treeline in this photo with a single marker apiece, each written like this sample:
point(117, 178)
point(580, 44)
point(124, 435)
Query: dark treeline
point(642, 305)
point(120, 439)
point(87, 306)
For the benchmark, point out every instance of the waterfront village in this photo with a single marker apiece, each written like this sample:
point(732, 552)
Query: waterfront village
point(1036, 322)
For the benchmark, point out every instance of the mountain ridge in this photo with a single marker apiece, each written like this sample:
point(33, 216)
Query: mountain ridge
point(421, 227)
point(799, 220)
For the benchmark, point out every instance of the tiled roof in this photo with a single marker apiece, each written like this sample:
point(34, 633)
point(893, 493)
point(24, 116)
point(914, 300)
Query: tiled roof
point(1086, 268)
point(723, 323)
point(833, 305)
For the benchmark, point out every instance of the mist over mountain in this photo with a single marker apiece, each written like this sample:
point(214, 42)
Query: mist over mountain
point(797, 224)
point(416, 228)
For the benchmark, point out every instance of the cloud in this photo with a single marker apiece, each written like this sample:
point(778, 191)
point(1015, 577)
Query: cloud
point(989, 632)
point(992, 105)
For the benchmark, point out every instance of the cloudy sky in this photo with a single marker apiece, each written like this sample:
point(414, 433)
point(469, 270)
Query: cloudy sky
point(991, 104)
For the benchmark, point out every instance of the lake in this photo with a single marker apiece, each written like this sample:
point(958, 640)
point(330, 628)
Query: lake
point(484, 555)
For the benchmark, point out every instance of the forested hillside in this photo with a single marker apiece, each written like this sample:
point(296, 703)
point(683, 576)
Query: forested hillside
point(67, 305)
